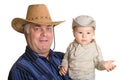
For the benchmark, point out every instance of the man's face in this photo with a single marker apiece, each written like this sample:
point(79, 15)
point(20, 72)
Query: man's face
point(40, 38)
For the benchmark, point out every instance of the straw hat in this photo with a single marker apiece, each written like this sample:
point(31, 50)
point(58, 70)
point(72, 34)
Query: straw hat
point(38, 14)
point(84, 21)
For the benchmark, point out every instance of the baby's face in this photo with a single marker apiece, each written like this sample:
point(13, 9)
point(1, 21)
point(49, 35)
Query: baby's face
point(83, 35)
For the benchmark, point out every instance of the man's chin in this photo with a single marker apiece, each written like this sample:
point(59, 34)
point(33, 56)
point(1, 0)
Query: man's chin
point(44, 50)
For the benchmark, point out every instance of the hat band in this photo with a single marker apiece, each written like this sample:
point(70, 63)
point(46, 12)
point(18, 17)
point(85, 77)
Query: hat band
point(37, 18)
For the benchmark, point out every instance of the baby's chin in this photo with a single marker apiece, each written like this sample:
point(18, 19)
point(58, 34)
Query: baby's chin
point(84, 43)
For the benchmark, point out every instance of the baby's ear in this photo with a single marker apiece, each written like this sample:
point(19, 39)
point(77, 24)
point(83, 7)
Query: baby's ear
point(73, 33)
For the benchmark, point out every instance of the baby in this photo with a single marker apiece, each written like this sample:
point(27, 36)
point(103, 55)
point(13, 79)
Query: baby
point(83, 55)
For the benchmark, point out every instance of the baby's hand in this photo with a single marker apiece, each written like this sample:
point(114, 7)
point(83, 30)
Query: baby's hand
point(63, 70)
point(108, 65)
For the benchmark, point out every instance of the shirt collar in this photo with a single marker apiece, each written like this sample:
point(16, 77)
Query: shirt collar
point(33, 56)
point(85, 46)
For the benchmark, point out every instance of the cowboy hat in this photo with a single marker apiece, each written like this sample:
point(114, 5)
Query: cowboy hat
point(38, 14)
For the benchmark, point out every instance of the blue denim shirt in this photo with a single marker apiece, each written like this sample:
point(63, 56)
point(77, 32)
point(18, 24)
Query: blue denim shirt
point(31, 66)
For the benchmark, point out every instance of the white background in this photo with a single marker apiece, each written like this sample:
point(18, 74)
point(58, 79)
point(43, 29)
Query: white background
point(105, 12)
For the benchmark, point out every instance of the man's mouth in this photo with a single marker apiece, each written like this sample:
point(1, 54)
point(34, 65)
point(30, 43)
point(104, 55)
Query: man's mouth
point(43, 40)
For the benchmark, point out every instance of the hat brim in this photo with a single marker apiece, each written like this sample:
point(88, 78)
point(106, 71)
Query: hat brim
point(17, 24)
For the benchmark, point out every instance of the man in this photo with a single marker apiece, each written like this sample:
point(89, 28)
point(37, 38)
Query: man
point(38, 62)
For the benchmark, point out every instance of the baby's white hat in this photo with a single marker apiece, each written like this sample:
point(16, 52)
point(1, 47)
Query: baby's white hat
point(84, 21)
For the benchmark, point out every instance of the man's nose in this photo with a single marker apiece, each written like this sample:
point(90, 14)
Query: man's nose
point(44, 32)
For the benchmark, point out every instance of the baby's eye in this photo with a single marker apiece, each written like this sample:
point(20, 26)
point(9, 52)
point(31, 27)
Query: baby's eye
point(88, 32)
point(80, 32)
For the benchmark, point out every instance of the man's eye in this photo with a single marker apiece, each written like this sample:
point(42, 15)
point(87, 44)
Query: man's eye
point(37, 29)
point(49, 28)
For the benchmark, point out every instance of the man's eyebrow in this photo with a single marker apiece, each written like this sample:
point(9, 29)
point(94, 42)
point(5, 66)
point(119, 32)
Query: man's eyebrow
point(50, 25)
point(37, 25)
